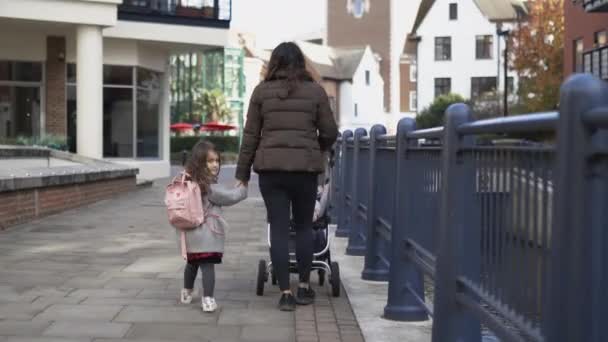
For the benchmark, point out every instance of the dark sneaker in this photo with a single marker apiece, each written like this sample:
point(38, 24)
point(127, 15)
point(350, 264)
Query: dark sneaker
point(306, 296)
point(287, 302)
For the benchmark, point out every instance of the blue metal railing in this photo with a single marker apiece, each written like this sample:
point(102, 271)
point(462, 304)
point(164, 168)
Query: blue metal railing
point(511, 235)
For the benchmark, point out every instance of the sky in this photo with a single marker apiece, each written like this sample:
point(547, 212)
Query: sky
point(274, 21)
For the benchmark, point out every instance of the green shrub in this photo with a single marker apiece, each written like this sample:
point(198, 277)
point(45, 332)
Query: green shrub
point(433, 115)
point(222, 143)
point(57, 142)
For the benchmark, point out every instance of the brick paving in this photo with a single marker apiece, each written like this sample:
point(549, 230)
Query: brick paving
point(111, 272)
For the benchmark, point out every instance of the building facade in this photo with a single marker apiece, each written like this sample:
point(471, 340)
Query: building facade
point(586, 38)
point(383, 25)
point(96, 72)
point(459, 49)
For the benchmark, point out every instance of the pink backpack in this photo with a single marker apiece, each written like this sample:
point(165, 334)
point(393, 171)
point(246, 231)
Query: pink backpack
point(184, 206)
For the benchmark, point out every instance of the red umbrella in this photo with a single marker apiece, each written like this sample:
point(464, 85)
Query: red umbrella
point(181, 126)
point(216, 126)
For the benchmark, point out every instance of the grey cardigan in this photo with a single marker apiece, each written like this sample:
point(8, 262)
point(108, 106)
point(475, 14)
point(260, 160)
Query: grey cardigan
point(210, 236)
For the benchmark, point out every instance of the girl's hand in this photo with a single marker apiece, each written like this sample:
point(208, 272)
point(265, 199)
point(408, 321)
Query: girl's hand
point(240, 184)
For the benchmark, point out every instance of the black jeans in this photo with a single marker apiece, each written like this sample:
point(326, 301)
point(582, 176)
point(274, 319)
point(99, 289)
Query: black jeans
point(283, 191)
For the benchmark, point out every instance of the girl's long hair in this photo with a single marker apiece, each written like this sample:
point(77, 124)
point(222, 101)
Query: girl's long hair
point(196, 166)
point(287, 62)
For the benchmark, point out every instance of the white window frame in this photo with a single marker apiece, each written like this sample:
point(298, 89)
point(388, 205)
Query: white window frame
point(413, 72)
point(413, 100)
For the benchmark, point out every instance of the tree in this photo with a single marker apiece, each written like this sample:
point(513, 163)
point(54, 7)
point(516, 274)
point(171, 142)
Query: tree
point(537, 53)
point(211, 106)
point(432, 116)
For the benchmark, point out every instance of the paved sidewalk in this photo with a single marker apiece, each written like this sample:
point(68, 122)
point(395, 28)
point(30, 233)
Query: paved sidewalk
point(111, 272)
point(368, 300)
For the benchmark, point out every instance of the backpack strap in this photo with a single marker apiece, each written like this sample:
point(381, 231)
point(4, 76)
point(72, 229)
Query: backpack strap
point(183, 247)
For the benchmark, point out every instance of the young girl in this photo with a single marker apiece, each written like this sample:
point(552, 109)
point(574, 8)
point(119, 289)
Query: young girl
point(205, 244)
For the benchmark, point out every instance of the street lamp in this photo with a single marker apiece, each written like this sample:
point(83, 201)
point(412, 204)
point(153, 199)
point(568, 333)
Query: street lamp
point(505, 34)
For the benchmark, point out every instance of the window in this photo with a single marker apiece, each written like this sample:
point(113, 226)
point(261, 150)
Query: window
point(483, 47)
point(20, 99)
point(600, 38)
point(413, 101)
point(443, 86)
point(131, 111)
point(20, 71)
point(117, 122)
point(443, 48)
point(481, 86)
point(510, 85)
point(332, 104)
point(578, 55)
point(148, 110)
point(367, 77)
point(356, 110)
point(413, 73)
point(453, 11)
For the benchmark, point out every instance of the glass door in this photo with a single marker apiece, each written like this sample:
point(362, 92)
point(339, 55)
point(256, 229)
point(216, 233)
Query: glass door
point(19, 111)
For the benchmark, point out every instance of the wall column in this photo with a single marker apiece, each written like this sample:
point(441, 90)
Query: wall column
point(89, 91)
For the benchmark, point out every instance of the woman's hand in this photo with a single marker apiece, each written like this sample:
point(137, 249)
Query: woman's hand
point(241, 184)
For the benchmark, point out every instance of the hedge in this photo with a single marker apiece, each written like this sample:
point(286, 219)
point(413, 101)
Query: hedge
point(222, 143)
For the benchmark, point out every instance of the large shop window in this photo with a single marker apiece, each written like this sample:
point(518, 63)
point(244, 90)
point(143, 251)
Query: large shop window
point(131, 111)
point(20, 94)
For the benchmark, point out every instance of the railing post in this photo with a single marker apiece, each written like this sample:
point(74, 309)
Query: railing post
point(355, 245)
point(343, 223)
point(575, 304)
point(374, 269)
point(459, 237)
point(401, 304)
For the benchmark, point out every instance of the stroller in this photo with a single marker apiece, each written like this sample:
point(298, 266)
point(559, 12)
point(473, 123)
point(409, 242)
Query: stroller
point(322, 262)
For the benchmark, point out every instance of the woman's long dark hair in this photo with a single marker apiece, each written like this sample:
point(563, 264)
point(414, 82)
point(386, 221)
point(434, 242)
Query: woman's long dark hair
point(196, 166)
point(287, 62)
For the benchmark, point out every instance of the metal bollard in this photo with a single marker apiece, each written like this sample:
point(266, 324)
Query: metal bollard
point(374, 268)
point(576, 289)
point(459, 235)
point(356, 237)
point(405, 286)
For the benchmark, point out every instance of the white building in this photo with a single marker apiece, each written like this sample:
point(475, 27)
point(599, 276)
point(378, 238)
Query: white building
point(96, 71)
point(459, 50)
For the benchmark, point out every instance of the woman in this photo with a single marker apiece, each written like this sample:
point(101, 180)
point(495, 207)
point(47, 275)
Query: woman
point(289, 128)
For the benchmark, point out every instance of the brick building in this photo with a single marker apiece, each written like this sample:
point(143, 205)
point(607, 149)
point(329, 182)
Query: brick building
point(586, 37)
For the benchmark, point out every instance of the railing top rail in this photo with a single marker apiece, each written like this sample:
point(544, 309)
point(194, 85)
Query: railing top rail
point(597, 117)
point(520, 123)
point(387, 137)
point(430, 133)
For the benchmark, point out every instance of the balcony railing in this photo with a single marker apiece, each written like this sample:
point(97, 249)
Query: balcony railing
point(595, 5)
point(214, 13)
point(596, 62)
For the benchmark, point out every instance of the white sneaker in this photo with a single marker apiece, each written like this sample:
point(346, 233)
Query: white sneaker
point(186, 296)
point(208, 304)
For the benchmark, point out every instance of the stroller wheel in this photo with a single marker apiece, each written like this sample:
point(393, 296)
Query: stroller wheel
point(321, 277)
point(262, 277)
point(334, 279)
